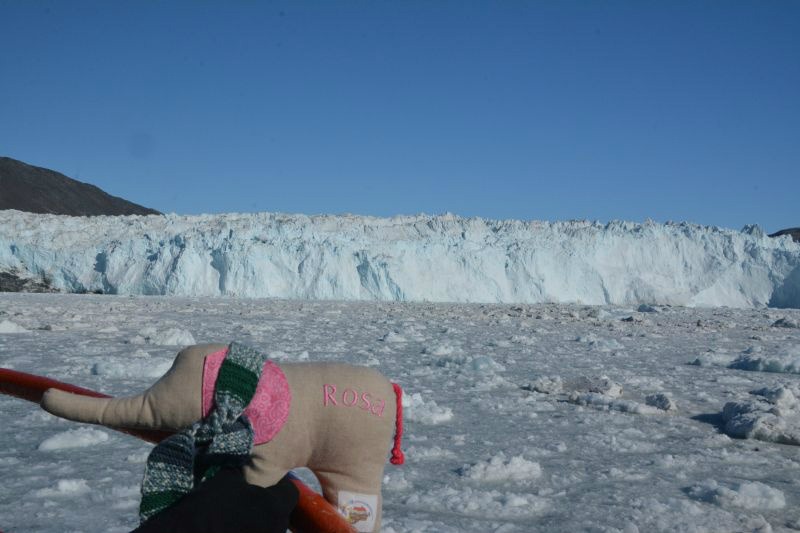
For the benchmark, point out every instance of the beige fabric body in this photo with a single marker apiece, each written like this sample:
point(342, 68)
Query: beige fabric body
point(345, 446)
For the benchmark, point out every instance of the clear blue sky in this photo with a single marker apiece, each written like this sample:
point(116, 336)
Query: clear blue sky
point(529, 110)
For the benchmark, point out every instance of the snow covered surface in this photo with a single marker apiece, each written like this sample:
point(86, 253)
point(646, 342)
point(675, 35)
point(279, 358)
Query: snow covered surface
point(412, 258)
point(558, 418)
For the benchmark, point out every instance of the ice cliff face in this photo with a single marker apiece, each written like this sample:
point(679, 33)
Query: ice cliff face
point(414, 258)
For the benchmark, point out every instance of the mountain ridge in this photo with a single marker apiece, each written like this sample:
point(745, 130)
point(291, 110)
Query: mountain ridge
point(26, 187)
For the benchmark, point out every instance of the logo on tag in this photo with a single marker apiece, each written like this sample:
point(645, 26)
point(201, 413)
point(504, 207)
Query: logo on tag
point(358, 509)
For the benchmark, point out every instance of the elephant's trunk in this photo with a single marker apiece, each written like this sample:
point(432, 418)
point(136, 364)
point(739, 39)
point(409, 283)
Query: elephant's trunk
point(132, 412)
point(173, 402)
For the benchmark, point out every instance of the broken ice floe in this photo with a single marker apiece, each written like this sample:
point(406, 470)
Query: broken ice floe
point(7, 326)
point(393, 337)
point(754, 360)
point(395, 480)
point(472, 363)
point(138, 458)
point(555, 385)
point(712, 358)
point(546, 385)
point(751, 495)
point(525, 340)
point(491, 504)
point(143, 367)
point(786, 322)
point(598, 313)
point(441, 349)
point(280, 355)
point(501, 468)
point(661, 401)
point(415, 409)
point(64, 488)
point(598, 343)
point(125, 497)
point(73, 438)
point(593, 399)
point(598, 385)
point(637, 319)
point(772, 415)
point(478, 371)
point(168, 337)
point(601, 392)
point(417, 453)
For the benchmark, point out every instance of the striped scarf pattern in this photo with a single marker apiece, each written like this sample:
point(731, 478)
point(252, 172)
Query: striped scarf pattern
point(224, 437)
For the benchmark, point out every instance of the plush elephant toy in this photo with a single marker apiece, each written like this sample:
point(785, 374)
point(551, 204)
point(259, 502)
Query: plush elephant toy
point(336, 419)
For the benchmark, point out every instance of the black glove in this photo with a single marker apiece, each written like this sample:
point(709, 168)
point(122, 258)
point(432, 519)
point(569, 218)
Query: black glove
point(226, 503)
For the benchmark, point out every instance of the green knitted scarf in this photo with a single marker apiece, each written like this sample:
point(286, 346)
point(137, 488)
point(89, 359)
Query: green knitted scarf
point(224, 437)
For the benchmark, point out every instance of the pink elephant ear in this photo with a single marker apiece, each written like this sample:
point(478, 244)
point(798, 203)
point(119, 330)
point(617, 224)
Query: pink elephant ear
point(269, 408)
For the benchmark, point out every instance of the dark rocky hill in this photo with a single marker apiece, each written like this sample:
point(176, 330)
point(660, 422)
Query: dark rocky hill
point(39, 190)
point(794, 232)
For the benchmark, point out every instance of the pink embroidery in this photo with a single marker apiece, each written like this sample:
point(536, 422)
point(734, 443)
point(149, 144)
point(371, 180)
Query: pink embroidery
point(269, 408)
point(365, 401)
point(328, 392)
point(352, 402)
point(351, 398)
point(378, 407)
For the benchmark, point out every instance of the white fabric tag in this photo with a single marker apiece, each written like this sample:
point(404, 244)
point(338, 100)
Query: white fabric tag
point(359, 509)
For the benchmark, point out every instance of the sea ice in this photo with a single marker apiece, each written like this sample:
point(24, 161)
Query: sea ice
point(490, 412)
point(600, 344)
point(601, 401)
point(7, 326)
point(393, 336)
point(430, 453)
point(64, 488)
point(128, 368)
point(601, 385)
point(441, 349)
point(73, 438)
point(167, 337)
point(546, 385)
point(485, 504)
point(427, 412)
point(482, 364)
point(747, 495)
point(501, 468)
point(787, 363)
point(661, 401)
point(772, 415)
point(786, 323)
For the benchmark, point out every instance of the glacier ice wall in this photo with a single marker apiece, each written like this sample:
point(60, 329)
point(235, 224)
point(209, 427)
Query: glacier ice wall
point(409, 258)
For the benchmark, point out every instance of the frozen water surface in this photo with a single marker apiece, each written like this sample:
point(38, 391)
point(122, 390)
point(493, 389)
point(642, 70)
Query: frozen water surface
point(539, 417)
